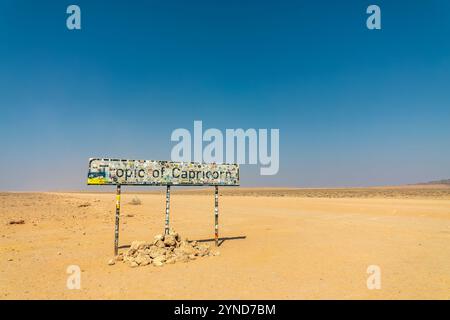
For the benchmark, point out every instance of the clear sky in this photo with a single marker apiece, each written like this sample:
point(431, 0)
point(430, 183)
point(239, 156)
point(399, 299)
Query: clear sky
point(354, 107)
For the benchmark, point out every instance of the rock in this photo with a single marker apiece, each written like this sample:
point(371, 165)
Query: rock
point(144, 245)
point(156, 251)
point(145, 262)
point(136, 245)
point(119, 257)
point(140, 259)
point(130, 253)
point(178, 252)
point(135, 201)
point(175, 234)
point(187, 249)
point(21, 221)
point(141, 252)
point(111, 262)
point(169, 254)
point(157, 263)
point(160, 258)
point(84, 205)
point(160, 244)
point(170, 241)
point(202, 250)
point(182, 258)
point(169, 249)
point(165, 249)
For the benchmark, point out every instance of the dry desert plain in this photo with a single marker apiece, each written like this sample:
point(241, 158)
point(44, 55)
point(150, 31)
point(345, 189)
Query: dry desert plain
point(279, 244)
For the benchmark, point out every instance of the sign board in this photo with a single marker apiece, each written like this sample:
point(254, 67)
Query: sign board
point(161, 173)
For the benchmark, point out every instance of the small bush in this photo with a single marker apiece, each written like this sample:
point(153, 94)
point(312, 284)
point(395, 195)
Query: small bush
point(136, 201)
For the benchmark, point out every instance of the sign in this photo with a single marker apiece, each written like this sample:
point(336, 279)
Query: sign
point(161, 173)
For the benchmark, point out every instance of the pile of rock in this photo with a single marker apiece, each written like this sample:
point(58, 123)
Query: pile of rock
point(165, 249)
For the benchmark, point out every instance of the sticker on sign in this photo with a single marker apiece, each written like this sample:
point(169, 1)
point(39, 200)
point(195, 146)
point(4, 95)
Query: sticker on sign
point(161, 173)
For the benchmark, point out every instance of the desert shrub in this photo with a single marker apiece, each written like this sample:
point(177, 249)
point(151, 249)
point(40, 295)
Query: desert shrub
point(136, 201)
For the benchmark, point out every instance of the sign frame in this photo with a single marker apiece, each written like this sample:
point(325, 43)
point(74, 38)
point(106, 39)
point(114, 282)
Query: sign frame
point(99, 178)
point(142, 173)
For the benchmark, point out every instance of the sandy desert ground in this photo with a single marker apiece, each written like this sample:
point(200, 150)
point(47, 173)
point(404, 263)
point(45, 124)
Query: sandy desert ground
point(283, 244)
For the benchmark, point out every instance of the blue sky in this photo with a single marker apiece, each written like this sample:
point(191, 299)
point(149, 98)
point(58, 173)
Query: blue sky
point(354, 107)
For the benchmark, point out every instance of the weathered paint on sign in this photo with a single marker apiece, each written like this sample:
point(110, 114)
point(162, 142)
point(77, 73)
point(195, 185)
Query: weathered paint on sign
point(161, 173)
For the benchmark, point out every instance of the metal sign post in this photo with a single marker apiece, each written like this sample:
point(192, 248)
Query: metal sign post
point(166, 229)
point(116, 233)
point(216, 215)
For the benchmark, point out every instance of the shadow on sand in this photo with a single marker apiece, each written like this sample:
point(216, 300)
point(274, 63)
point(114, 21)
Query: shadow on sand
point(223, 239)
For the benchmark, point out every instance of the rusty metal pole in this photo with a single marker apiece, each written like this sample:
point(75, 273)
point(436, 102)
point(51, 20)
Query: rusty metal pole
point(166, 229)
point(216, 215)
point(116, 233)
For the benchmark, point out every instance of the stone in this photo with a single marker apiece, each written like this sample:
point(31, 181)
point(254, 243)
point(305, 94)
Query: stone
point(169, 254)
point(21, 221)
point(111, 262)
point(157, 263)
point(119, 257)
point(160, 244)
point(165, 249)
point(202, 250)
point(136, 245)
point(170, 241)
point(84, 205)
point(145, 262)
point(140, 259)
point(182, 258)
point(187, 249)
point(160, 258)
point(156, 252)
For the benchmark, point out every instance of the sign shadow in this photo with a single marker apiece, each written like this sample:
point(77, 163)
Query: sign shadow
point(222, 239)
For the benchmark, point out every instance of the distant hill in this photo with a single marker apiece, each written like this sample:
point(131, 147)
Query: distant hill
point(444, 181)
